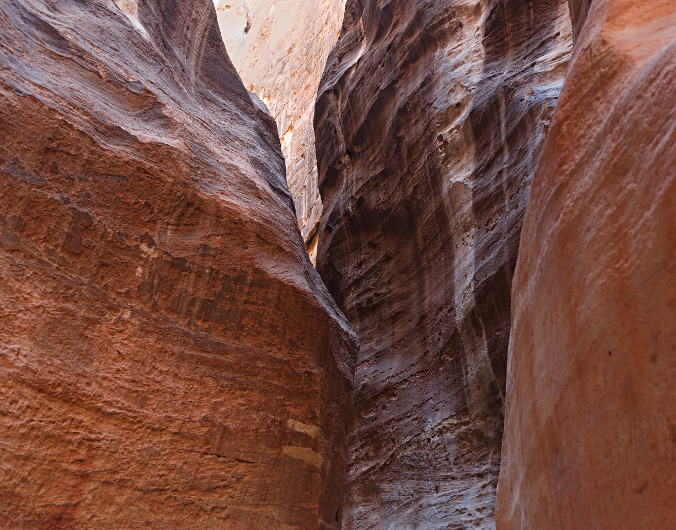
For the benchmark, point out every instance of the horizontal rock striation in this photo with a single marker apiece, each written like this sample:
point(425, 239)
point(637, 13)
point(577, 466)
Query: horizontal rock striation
point(429, 124)
point(590, 437)
point(169, 358)
point(280, 50)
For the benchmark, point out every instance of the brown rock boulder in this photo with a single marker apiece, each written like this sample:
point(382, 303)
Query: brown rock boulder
point(280, 50)
point(169, 357)
point(429, 124)
point(590, 436)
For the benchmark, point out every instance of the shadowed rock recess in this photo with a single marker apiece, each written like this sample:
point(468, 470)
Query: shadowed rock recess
point(429, 123)
point(590, 436)
point(169, 356)
point(279, 47)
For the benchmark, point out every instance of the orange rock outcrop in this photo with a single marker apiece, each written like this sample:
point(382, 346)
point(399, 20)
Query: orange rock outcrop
point(169, 358)
point(590, 437)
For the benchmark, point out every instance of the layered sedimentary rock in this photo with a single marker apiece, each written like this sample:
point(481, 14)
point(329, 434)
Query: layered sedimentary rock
point(169, 357)
point(590, 436)
point(429, 123)
point(280, 50)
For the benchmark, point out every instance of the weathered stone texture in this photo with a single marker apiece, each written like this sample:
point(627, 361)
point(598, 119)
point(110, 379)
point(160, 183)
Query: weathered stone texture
point(429, 124)
point(590, 437)
point(169, 358)
point(280, 48)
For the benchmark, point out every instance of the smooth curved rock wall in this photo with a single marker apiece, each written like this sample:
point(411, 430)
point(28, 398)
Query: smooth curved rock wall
point(280, 48)
point(429, 124)
point(169, 356)
point(590, 436)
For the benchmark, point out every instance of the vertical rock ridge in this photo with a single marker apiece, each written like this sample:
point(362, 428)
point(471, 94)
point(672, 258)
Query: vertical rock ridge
point(429, 123)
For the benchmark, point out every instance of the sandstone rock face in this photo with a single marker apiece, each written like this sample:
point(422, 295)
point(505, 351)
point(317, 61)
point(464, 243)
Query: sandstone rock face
point(429, 123)
point(169, 357)
point(590, 437)
point(578, 15)
point(280, 48)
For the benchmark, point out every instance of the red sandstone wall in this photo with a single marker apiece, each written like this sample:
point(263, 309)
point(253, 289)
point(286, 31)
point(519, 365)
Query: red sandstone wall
point(168, 356)
point(590, 437)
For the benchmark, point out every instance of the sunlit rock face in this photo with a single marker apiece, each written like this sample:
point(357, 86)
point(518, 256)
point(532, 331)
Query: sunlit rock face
point(429, 124)
point(280, 48)
point(590, 438)
point(169, 357)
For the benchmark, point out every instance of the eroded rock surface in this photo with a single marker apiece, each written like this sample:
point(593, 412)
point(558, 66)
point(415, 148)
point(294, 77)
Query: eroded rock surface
point(429, 124)
point(280, 48)
point(169, 357)
point(590, 436)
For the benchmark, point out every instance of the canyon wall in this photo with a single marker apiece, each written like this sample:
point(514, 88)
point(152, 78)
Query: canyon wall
point(429, 124)
point(279, 47)
point(169, 357)
point(590, 437)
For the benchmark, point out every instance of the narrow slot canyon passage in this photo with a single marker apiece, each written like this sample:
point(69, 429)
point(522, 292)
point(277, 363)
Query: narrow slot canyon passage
point(337, 264)
point(429, 122)
point(279, 48)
